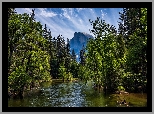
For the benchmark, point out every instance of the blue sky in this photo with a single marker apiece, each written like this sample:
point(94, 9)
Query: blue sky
point(66, 21)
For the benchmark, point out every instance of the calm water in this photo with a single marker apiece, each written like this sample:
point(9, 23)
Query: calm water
point(74, 94)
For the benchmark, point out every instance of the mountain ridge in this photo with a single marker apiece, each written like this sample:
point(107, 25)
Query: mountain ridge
point(77, 42)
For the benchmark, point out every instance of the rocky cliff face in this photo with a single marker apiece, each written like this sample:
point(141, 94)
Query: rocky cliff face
point(79, 39)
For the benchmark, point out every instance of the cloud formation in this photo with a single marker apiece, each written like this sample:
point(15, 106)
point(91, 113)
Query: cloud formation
point(66, 21)
point(45, 13)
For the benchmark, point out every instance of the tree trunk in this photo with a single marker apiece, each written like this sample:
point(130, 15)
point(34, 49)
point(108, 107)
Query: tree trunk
point(63, 79)
point(20, 94)
point(99, 88)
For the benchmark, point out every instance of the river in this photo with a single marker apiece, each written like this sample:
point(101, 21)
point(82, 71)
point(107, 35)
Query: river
point(75, 94)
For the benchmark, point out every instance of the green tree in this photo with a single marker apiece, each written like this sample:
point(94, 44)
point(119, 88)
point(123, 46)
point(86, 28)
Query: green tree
point(28, 61)
point(82, 55)
point(135, 23)
point(67, 57)
point(74, 67)
point(73, 55)
point(103, 55)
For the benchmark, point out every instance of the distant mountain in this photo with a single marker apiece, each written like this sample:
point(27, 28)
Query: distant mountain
point(79, 39)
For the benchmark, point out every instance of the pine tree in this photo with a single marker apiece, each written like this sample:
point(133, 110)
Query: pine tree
point(134, 22)
point(82, 56)
point(73, 55)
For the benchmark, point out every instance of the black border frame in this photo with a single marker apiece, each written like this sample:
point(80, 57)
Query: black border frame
point(6, 5)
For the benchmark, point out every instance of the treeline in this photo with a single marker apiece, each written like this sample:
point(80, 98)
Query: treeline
point(116, 60)
point(112, 60)
point(34, 56)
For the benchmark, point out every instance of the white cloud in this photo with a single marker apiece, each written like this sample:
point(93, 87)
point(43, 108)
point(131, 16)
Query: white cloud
point(56, 28)
point(103, 13)
point(28, 10)
point(45, 21)
point(80, 21)
point(23, 10)
point(79, 9)
point(38, 11)
point(65, 13)
point(71, 11)
point(56, 25)
point(92, 11)
point(44, 13)
point(77, 22)
point(80, 26)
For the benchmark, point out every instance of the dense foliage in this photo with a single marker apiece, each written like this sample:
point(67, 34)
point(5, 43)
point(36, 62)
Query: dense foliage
point(113, 60)
point(33, 55)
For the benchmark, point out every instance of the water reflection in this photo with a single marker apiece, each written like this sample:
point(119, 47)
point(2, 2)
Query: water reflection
point(72, 94)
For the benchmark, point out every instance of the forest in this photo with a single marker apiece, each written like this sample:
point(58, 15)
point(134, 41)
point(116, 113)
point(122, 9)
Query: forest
point(114, 60)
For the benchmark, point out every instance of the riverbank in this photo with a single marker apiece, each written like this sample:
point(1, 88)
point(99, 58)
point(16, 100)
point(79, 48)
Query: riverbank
point(133, 99)
point(61, 80)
